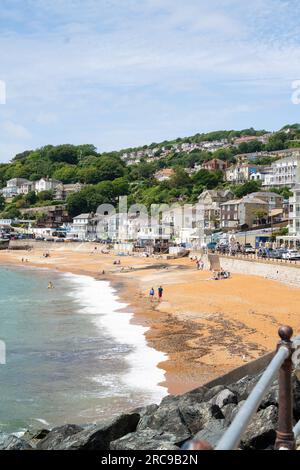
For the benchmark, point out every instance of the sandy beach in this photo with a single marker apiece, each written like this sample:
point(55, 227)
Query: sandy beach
point(205, 327)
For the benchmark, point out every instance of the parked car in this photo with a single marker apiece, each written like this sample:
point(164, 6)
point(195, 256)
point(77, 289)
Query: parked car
point(248, 249)
point(291, 254)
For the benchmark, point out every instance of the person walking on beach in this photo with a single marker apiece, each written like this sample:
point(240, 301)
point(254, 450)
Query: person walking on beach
point(160, 292)
point(151, 294)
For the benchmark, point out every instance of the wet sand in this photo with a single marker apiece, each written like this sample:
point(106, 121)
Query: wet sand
point(206, 327)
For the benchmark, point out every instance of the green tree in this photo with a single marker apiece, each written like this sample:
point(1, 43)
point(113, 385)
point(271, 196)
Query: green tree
point(31, 198)
point(45, 195)
point(247, 188)
point(66, 174)
point(2, 202)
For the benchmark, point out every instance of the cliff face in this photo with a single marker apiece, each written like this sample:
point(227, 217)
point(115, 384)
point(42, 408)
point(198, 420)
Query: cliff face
point(205, 412)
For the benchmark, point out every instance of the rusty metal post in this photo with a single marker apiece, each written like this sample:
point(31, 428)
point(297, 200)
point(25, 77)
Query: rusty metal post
point(285, 437)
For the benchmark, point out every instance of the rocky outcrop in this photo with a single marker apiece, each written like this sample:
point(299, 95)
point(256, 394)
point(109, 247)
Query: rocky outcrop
point(204, 413)
point(10, 442)
point(94, 437)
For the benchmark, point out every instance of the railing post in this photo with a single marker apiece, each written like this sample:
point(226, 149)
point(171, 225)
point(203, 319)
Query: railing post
point(285, 437)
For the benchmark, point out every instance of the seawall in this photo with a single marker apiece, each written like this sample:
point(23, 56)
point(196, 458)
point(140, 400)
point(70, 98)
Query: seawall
point(285, 272)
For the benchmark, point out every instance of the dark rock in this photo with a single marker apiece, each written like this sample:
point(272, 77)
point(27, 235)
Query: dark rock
point(33, 437)
point(145, 410)
point(271, 398)
point(212, 432)
point(97, 437)
point(224, 398)
point(244, 386)
point(196, 416)
point(167, 418)
point(57, 436)
point(212, 392)
point(261, 432)
point(227, 411)
point(234, 412)
point(147, 439)
point(10, 442)
point(196, 395)
point(145, 415)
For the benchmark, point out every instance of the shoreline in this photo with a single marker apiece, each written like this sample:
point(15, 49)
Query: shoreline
point(204, 332)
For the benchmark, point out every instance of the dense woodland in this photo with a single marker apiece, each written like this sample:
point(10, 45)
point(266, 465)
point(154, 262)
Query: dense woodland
point(106, 176)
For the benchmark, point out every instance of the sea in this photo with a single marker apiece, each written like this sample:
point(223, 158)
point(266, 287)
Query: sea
point(72, 354)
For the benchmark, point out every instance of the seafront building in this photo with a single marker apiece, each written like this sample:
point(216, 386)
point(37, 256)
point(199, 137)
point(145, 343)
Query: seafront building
point(243, 212)
point(284, 171)
point(84, 227)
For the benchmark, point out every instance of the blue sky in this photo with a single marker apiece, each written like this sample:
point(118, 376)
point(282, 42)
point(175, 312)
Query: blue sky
point(120, 73)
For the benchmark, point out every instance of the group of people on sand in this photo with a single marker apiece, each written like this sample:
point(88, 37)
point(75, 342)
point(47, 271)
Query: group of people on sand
point(159, 293)
point(24, 260)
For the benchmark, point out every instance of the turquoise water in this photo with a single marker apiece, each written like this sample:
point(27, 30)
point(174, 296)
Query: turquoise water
point(64, 360)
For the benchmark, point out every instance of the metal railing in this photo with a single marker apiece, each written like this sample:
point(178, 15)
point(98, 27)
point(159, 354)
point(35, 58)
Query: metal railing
point(281, 365)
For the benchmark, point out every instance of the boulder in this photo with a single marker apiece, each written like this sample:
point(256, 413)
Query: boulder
point(145, 410)
point(11, 442)
point(212, 432)
point(212, 392)
point(196, 416)
point(244, 386)
point(168, 419)
point(57, 436)
point(224, 397)
point(261, 432)
point(230, 417)
point(271, 397)
point(147, 439)
point(227, 411)
point(33, 437)
point(95, 437)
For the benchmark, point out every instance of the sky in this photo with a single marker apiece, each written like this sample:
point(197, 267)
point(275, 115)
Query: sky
point(123, 73)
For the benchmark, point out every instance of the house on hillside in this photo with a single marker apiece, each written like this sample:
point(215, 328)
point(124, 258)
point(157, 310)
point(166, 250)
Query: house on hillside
point(240, 173)
point(215, 164)
point(63, 190)
point(13, 187)
point(237, 213)
point(46, 184)
point(284, 171)
point(49, 216)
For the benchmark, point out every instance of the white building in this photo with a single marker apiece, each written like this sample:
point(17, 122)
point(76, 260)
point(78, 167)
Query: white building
point(152, 234)
point(294, 214)
point(284, 171)
point(240, 173)
point(13, 187)
point(84, 227)
point(46, 184)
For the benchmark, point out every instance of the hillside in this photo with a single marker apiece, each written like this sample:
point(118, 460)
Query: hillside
point(131, 171)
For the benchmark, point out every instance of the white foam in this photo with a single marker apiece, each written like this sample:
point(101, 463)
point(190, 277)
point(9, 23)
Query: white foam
point(98, 298)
